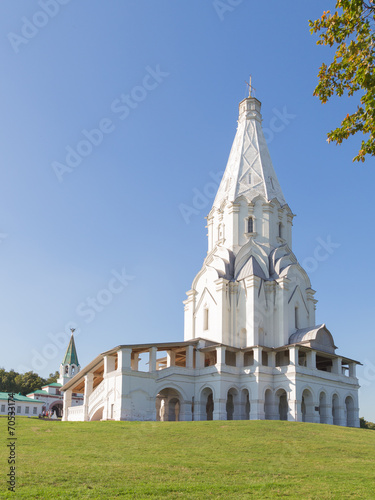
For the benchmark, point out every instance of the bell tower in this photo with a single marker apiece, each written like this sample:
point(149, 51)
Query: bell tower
point(251, 289)
point(70, 365)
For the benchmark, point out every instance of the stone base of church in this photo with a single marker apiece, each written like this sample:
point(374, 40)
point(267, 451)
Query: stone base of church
point(219, 392)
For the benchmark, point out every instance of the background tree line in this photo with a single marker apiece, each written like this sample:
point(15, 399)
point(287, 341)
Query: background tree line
point(24, 383)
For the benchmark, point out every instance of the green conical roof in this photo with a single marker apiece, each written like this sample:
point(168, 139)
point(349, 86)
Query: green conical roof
point(71, 357)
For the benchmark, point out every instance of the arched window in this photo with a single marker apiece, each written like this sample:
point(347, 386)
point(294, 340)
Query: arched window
point(220, 231)
point(66, 369)
point(280, 229)
point(205, 319)
point(250, 225)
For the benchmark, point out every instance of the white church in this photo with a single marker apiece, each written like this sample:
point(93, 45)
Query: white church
point(251, 349)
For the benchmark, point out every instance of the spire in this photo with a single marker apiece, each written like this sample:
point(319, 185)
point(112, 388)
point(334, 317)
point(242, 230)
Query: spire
point(71, 357)
point(249, 171)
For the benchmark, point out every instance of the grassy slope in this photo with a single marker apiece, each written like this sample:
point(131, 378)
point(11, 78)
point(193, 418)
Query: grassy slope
point(257, 459)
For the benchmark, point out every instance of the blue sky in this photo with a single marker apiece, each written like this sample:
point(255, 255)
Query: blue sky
point(117, 219)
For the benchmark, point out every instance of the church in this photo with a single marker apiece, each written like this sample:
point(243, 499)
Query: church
point(251, 349)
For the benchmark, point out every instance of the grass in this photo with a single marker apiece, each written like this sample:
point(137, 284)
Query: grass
point(197, 460)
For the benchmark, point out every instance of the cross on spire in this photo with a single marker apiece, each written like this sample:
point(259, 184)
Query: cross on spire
point(250, 87)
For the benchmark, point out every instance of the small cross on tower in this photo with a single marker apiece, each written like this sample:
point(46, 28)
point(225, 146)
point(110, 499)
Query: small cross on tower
point(250, 87)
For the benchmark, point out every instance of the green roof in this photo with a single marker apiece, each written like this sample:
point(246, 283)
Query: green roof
point(18, 397)
point(71, 357)
point(54, 384)
point(39, 391)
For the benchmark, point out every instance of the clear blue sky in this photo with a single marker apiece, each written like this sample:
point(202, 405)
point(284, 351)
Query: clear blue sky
point(119, 209)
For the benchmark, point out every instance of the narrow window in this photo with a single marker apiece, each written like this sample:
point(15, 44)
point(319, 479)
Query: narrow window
point(296, 317)
point(66, 369)
point(205, 319)
point(18, 409)
point(35, 410)
point(250, 225)
point(249, 178)
point(73, 369)
point(280, 230)
point(27, 409)
point(2, 408)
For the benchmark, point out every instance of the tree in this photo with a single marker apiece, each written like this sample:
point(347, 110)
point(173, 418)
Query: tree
point(24, 383)
point(366, 425)
point(351, 31)
point(52, 377)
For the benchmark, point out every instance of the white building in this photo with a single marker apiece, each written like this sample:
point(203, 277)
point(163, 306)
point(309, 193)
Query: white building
point(251, 349)
point(24, 406)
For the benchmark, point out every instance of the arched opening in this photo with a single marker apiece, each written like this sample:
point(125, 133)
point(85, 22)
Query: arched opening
point(168, 405)
point(350, 414)
point(57, 409)
point(307, 406)
point(245, 405)
point(98, 415)
point(283, 407)
point(206, 404)
point(268, 405)
point(335, 410)
point(280, 230)
point(323, 408)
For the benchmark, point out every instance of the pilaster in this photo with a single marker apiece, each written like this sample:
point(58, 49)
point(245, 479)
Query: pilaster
point(282, 295)
point(252, 284)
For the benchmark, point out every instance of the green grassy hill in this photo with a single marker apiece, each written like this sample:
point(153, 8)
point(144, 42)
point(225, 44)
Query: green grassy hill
point(236, 459)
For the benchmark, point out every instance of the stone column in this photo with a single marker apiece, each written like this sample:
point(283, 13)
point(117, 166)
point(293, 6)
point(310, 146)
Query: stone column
point(352, 369)
point(67, 403)
point(257, 356)
point(109, 364)
point(134, 361)
point(293, 355)
point(240, 359)
point(189, 356)
point(220, 356)
point(272, 359)
point(89, 383)
point(311, 360)
point(152, 359)
point(337, 365)
point(199, 359)
point(124, 359)
point(171, 358)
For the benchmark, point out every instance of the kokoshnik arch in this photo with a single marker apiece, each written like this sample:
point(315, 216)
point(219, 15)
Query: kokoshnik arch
point(251, 347)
